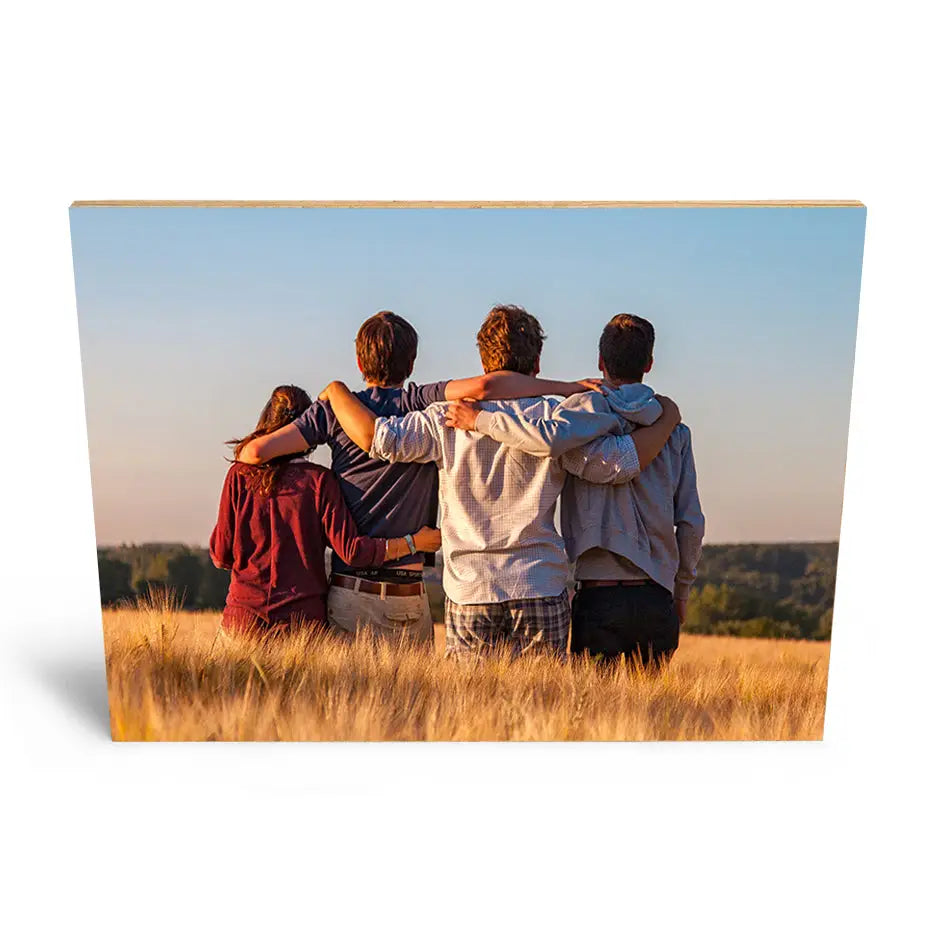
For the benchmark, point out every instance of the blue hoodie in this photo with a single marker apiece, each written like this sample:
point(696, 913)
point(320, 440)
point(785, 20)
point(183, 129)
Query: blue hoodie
point(653, 519)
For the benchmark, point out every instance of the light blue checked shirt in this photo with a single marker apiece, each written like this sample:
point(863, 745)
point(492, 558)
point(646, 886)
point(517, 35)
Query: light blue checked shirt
point(497, 504)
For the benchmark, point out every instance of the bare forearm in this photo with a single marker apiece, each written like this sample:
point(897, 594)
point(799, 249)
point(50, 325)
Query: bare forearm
point(356, 420)
point(396, 548)
point(281, 442)
point(650, 441)
point(510, 385)
point(425, 540)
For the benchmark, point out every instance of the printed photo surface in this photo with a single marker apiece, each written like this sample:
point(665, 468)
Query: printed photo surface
point(440, 473)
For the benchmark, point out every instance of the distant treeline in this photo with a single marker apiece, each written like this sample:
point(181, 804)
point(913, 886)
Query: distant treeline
point(129, 571)
point(754, 590)
point(764, 590)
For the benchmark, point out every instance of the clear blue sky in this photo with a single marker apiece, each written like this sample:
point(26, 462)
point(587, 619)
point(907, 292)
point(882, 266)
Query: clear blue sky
point(190, 316)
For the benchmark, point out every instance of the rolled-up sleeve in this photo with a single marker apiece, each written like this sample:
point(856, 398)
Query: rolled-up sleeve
point(411, 438)
point(610, 460)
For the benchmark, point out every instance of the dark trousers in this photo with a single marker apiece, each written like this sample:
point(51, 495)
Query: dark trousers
point(639, 622)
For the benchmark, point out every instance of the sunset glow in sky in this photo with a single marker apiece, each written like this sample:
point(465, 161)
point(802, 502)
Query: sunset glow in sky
point(190, 316)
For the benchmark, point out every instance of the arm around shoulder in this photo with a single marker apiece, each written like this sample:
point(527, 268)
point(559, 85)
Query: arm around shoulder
point(354, 417)
point(511, 385)
point(411, 438)
point(610, 460)
point(281, 442)
point(651, 440)
point(615, 460)
point(570, 424)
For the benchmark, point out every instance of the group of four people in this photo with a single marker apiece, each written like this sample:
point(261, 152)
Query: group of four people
point(492, 455)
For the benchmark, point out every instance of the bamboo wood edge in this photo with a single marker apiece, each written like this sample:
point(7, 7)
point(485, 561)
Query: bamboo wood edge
point(234, 203)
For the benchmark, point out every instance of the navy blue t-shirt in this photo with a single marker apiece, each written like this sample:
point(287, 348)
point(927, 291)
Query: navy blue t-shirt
point(386, 499)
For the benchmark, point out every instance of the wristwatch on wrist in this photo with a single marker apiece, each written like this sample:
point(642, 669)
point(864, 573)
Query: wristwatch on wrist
point(409, 539)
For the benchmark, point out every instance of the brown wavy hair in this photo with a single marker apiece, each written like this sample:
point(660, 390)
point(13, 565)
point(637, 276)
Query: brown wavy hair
point(510, 339)
point(386, 346)
point(286, 403)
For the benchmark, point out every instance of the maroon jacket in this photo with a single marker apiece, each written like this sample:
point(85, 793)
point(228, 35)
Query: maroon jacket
point(274, 544)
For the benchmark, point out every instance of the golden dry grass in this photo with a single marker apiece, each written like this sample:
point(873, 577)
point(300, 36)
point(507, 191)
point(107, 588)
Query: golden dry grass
point(174, 676)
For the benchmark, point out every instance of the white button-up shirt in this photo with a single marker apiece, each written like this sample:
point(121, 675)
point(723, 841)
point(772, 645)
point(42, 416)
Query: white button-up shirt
point(497, 504)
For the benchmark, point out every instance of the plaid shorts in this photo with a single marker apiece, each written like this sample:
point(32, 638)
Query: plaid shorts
point(524, 625)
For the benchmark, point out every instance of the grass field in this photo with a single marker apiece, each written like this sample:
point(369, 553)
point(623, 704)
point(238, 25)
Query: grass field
point(173, 676)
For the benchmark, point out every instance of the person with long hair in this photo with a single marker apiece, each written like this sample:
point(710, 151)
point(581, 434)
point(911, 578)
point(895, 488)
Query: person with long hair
point(387, 499)
point(275, 521)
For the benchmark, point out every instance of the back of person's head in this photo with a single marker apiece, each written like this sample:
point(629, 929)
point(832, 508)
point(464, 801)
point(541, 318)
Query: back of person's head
point(510, 339)
point(286, 403)
point(626, 347)
point(386, 346)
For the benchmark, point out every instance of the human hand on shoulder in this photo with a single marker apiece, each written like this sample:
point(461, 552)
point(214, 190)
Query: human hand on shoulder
point(592, 384)
point(461, 415)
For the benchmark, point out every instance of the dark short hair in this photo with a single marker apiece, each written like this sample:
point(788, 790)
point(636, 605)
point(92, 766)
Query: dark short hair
point(626, 347)
point(510, 339)
point(386, 345)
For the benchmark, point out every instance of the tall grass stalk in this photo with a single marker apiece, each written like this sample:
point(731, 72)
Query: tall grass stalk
point(173, 675)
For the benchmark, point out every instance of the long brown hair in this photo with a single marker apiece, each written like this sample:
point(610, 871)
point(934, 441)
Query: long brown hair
point(286, 403)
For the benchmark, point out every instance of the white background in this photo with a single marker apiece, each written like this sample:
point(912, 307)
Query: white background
point(511, 101)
